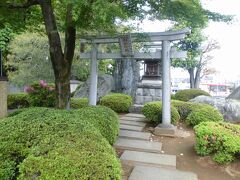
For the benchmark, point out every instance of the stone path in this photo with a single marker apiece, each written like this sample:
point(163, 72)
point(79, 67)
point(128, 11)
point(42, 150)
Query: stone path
point(143, 154)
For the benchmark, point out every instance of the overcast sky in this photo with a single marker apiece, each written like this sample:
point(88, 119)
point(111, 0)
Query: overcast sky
point(227, 58)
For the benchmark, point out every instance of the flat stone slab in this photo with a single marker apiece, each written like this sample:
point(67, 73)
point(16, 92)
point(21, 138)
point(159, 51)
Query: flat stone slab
point(135, 123)
point(153, 173)
point(133, 119)
point(135, 134)
point(134, 115)
point(134, 158)
point(138, 145)
point(131, 127)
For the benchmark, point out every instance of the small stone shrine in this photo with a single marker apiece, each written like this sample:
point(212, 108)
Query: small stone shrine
point(150, 87)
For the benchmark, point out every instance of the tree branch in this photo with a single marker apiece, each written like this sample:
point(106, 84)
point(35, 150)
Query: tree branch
point(25, 5)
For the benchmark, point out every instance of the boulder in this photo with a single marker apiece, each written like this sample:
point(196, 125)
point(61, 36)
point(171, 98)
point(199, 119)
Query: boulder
point(230, 108)
point(235, 94)
point(105, 86)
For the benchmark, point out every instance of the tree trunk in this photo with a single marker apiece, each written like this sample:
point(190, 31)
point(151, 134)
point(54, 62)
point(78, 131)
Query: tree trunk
point(191, 74)
point(197, 78)
point(61, 62)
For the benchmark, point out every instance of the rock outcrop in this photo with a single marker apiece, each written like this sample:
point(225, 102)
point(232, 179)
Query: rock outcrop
point(105, 86)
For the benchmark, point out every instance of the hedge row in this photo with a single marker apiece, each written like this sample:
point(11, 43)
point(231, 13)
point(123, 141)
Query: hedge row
point(222, 140)
point(22, 100)
point(116, 101)
point(43, 143)
point(191, 113)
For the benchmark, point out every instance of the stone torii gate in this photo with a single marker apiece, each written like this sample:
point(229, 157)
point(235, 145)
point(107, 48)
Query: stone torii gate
point(125, 42)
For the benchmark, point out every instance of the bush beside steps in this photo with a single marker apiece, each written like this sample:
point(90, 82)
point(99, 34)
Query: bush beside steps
point(222, 140)
point(153, 112)
point(117, 102)
point(43, 143)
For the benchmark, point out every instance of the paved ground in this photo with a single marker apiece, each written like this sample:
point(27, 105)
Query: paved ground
point(141, 157)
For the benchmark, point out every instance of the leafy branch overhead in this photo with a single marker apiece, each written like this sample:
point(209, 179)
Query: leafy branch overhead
point(78, 17)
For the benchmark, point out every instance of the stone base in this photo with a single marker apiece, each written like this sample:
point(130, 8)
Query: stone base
point(165, 130)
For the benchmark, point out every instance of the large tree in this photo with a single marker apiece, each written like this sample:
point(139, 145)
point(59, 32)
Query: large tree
point(198, 58)
point(95, 16)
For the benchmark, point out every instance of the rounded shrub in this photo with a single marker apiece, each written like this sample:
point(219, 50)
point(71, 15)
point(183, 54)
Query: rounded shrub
point(39, 132)
point(153, 112)
point(188, 94)
point(89, 157)
point(17, 100)
point(222, 140)
point(206, 113)
point(103, 118)
point(185, 108)
point(117, 102)
point(77, 103)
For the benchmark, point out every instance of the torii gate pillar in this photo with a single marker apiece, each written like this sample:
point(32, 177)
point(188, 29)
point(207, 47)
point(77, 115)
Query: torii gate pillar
point(166, 127)
point(93, 76)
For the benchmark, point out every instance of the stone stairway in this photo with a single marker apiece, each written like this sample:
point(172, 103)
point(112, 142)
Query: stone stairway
point(143, 154)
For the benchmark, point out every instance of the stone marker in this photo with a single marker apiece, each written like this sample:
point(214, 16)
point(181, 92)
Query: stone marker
point(133, 119)
point(134, 123)
point(3, 97)
point(131, 127)
point(153, 173)
point(135, 158)
point(138, 145)
point(135, 134)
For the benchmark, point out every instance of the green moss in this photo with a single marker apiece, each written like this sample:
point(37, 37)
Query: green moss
point(153, 112)
point(117, 102)
point(222, 140)
point(17, 100)
point(188, 94)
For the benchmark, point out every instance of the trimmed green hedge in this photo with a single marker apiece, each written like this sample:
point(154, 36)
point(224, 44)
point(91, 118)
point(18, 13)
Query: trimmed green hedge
point(185, 108)
point(17, 100)
point(153, 112)
point(117, 102)
point(38, 139)
point(77, 103)
point(105, 119)
point(222, 140)
point(89, 157)
point(188, 94)
point(206, 113)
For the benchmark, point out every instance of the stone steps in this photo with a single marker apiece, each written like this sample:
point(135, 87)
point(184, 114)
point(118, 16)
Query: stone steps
point(135, 158)
point(133, 123)
point(139, 119)
point(130, 127)
point(142, 158)
point(138, 145)
point(134, 115)
point(135, 135)
point(154, 173)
